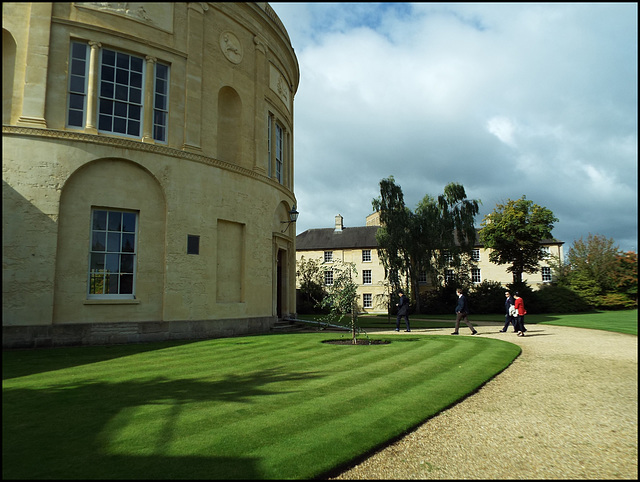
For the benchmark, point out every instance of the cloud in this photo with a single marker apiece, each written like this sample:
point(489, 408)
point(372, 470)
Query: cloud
point(508, 100)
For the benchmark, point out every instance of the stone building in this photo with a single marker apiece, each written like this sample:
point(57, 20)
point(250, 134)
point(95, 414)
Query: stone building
point(147, 171)
point(358, 245)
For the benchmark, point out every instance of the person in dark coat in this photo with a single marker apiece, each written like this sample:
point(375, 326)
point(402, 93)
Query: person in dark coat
point(509, 319)
point(403, 311)
point(462, 313)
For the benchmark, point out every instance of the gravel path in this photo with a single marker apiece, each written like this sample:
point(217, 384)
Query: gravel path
point(567, 408)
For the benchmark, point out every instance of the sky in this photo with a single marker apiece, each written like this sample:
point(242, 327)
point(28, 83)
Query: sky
point(508, 100)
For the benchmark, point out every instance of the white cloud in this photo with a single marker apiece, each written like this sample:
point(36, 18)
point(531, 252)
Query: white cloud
point(508, 100)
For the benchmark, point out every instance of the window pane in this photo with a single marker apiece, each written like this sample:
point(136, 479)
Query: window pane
point(113, 242)
point(120, 109)
point(97, 262)
point(75, 118)
point(108, 73)
point(122, 61)
point(122, 77)
point(106, 90)
point(119, 125)
point(99, 219)
point(76, 102)
point(115, 221)
point(104, 123)
point(122, 92)
point(134, 112)
point(135, 96)
point(129, 222)
point(126, 263)
point(99, 241)
point(136, 64)
point(78, 50)
point(76, 84)
point(134, 128)
point(113, 263)
point(96, 284)
point(126, 284)
point(136, 80)
point(106, 107)
point(108, 57)
point(112, 284)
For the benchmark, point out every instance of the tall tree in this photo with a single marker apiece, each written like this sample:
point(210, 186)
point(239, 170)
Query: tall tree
point(514, 231)
point(595, 258)
point(410, 243)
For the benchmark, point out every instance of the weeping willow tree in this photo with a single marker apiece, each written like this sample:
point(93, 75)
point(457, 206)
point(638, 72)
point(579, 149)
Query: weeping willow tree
point(410, 243)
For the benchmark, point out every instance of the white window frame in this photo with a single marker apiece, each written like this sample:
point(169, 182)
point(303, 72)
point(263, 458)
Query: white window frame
point(328, 277)
point(366, 277)
point(78, 92)
point(367, 300)
point(366, 256)
point(546, 274)
point(476, 275)
point(106, 249)
point(328, 256)
point(475, 254)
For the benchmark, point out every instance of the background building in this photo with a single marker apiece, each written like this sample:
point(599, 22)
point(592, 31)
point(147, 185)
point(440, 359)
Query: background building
point(147, 171)
point(358, 245)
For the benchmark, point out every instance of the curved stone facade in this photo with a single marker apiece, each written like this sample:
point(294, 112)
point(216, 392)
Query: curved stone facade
point(147, 171)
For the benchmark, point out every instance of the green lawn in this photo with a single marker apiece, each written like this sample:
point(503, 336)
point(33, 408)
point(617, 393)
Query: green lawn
point(257, 407)
point(624, 321)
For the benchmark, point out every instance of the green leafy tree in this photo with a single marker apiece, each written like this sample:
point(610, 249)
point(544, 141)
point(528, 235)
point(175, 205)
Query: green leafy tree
point(342, 296)
point(311, 281)
point(514, 232)
point(595, 258)
point(410, 243)
point(626, 281)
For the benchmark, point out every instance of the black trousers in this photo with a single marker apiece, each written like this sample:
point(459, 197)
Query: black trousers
point(406, 320)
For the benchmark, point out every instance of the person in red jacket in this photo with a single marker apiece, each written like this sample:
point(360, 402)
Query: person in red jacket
point(519, 322)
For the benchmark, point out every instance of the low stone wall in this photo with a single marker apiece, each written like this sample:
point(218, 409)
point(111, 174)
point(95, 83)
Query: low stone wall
point(129, 332)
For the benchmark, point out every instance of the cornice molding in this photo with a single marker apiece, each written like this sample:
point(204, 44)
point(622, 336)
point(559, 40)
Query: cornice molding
point(135, 145)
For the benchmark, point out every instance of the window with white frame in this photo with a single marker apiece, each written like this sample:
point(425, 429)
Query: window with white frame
point(448, 258)
point(449, 276)
point(328, 256)
point(546, 274)
point(328, 277)
point(121, 93)
point(475, 255)
point(279, 152)
point(78, 75)
point(366, 276)
point(367, 300)
point(161, 103)
point(366, 255)
point(475, 275)
point(547, 251)
point(112, 263)
point(422, 277)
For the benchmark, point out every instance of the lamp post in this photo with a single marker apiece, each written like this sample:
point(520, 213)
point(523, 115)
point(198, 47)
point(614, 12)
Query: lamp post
point(293, 217)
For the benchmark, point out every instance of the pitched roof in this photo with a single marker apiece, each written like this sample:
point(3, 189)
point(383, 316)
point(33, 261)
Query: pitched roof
point(363, 237)
point(329, 238)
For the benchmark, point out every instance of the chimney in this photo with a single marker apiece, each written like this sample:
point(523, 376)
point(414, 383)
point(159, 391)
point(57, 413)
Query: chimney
point(339, 225)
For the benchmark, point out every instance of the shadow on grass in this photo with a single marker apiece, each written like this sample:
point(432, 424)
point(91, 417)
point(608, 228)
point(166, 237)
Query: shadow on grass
point(72, 431)
point(23, 362)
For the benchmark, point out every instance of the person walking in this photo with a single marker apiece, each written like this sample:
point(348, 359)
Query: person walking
point(519, 324)
point(403, 311)
point(508, 317)
point(462, 313)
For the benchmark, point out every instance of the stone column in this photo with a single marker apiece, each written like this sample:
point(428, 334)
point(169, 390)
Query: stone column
point(193, 89)
point(92, 88)
point(149, 89)
point(35, 80)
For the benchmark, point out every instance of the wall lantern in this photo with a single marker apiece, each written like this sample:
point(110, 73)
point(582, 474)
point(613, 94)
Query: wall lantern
point(293, 217)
